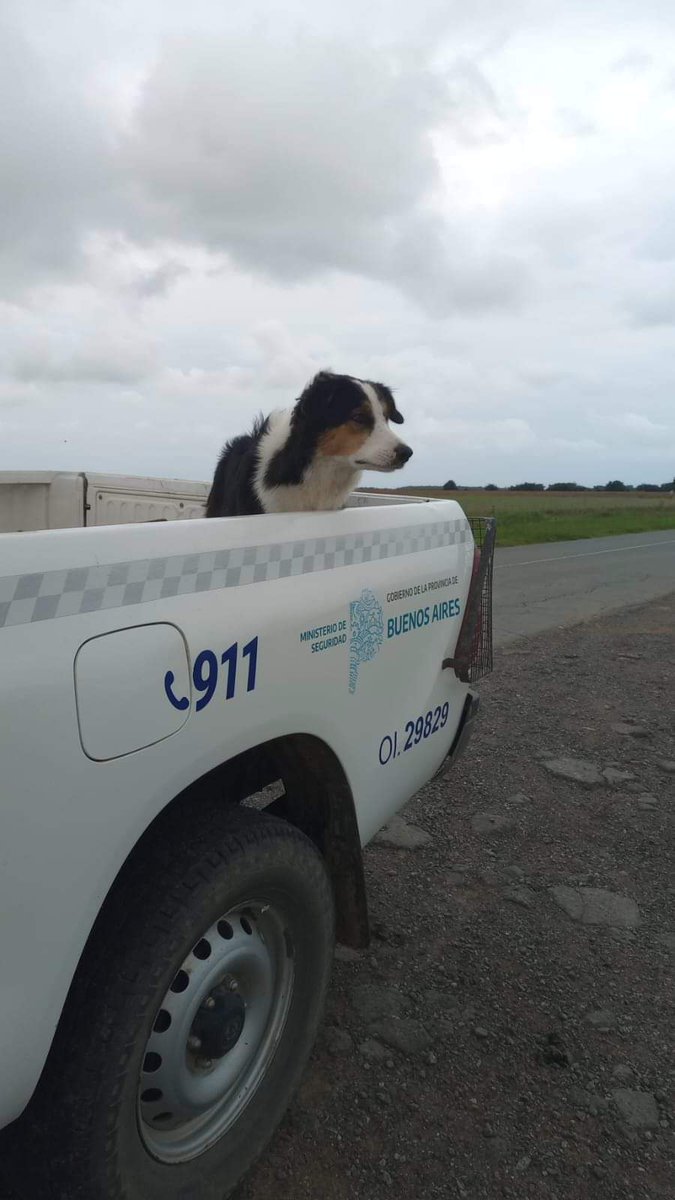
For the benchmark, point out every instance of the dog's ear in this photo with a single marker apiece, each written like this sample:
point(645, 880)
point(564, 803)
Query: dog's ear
point(318, 394)
point(319, 388)
point(322, 379)
point(388, 403)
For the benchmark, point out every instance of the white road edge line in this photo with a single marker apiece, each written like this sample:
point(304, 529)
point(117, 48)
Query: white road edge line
point(530, 562)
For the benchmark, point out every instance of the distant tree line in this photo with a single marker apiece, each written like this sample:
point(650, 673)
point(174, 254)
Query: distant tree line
point(614, 485)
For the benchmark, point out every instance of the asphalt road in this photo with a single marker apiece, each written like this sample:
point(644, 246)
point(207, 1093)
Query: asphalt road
point(557, 584)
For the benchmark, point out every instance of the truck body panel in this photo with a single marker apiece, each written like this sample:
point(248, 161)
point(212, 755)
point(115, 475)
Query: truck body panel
point(137, 658)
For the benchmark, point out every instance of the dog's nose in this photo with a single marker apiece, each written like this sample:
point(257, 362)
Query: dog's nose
point(403, 453)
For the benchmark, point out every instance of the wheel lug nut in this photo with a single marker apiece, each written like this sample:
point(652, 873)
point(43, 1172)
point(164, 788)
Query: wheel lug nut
point(232, 984)
point(206, 1063)
point(194, 1043)
point(209, 1002)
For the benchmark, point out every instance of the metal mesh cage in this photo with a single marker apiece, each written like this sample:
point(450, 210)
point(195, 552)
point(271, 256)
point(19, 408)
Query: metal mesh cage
point(473, 652)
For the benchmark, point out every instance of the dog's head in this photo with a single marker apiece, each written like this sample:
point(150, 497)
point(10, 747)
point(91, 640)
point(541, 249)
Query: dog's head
point(349, 418)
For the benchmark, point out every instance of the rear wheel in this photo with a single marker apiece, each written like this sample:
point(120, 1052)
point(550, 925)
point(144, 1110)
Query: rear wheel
point(191, 1019)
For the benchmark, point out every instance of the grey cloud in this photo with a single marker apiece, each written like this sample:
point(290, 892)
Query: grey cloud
point(658, 239)
point(307, 158)
point(107, 356)
point(478, 115)
point(294, 159)
point(14, 393)
point(275, 152)
point(575, 123)
point(654, 309)
point(635, 61)
point(158, 281)
point(458, 275)
point(54, 168)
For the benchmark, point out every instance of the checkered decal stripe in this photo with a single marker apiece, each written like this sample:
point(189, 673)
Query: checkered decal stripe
point(51, 594)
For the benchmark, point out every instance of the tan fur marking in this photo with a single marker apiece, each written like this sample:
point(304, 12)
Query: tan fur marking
point(343, 440)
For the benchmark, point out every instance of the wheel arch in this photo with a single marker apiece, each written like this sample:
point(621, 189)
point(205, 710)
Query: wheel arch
point(316, 798)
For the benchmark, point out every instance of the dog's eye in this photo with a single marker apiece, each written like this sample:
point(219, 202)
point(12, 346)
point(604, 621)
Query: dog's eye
point(360, 418)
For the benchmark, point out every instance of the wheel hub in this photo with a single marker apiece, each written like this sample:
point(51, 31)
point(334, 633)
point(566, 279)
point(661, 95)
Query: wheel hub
point(216, 1032)
point(217, 1027)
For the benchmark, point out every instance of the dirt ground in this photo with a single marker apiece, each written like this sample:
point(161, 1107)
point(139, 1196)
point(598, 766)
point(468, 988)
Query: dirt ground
point(489, 1043)
point(501, 1038)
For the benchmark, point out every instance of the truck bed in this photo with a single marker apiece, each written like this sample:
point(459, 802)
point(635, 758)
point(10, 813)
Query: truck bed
point(32, 500)
point(139, 658)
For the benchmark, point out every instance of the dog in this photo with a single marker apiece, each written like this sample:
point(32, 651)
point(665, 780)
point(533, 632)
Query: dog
point(310, 457)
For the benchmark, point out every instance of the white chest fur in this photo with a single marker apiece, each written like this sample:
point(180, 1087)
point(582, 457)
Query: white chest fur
point(325, 485)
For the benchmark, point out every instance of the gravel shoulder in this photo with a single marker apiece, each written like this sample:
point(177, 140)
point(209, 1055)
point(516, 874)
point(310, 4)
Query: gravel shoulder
point(510, 1030)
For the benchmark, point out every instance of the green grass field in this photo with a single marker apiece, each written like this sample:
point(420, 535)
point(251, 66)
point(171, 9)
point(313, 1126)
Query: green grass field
point(527, 517)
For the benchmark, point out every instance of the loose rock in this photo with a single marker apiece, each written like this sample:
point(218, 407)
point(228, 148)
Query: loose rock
point(630, 730)
point(374, 1002)
point(388, 934)
point(407, 1035)
point(338, 1041)
point(588, 1102)
point(496, 1148)
point(402, 836)
point(602, 1019)
point(638, 1109)
point(555, 1053)
point(595, 906)
point(614, 776)
point(455, 879)
point(523, 896)
point(667, 765)
point(579, 770)
point(373, 1050)
point(623, 1073)
point(514, 872)
point(438, 1000)
point(647, 802)
point(491, 823)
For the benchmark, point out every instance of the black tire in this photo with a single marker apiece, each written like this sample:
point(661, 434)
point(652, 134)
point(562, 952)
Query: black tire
point(83, 1134)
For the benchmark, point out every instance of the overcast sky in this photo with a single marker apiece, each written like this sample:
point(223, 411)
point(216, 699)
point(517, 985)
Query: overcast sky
point(474, 203)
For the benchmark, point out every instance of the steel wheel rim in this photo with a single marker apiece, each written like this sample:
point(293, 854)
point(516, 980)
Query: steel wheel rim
point(239, 973)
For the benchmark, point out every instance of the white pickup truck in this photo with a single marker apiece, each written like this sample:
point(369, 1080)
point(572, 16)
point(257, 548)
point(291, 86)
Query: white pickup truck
point(202, 722)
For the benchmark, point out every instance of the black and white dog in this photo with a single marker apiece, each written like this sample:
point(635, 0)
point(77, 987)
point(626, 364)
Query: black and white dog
point(310, 456)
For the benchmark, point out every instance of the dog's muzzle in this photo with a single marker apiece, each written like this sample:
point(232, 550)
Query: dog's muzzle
point(402, 454)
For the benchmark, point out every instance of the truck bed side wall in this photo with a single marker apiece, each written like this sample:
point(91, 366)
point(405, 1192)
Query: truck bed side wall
point(333, 625)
